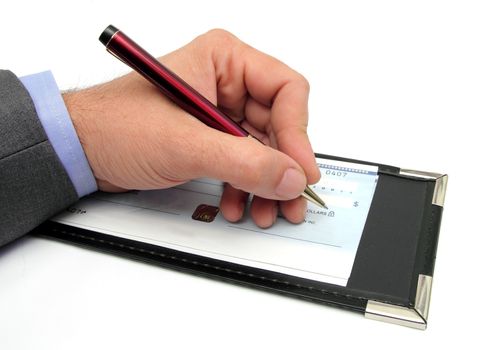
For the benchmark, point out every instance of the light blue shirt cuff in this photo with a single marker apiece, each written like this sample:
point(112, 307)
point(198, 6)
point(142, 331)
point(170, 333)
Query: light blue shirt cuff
point(60, 131)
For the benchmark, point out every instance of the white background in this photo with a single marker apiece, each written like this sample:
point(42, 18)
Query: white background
point(401, 83)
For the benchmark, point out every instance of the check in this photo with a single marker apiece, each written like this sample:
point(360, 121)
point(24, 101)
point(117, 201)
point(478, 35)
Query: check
point(187, 218)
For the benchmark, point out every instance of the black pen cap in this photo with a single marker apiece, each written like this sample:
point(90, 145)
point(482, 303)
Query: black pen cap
point(107, 34)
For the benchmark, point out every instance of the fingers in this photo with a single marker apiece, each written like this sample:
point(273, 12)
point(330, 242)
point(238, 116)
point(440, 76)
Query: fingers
point(263, 211)
point(295, 210)
point(243, 162)
point(288, 118)
point(273, 100)
point(257, 114)
point(289, 122)
point(275, 96)
point(233, 203)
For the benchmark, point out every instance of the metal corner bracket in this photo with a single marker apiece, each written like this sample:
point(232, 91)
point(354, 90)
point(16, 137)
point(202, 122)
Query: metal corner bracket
point(414, 317)
point(440, 184)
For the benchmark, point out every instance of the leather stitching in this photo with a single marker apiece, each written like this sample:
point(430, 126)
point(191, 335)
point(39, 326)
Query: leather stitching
point(215, 267)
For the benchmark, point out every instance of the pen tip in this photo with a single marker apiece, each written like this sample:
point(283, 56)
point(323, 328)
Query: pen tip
point(313, 197)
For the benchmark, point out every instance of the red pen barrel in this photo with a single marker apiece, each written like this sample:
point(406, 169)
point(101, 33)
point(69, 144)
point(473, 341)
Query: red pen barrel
point(182, 94)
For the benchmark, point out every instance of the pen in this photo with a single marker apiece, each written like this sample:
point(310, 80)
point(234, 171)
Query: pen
point(181, 93)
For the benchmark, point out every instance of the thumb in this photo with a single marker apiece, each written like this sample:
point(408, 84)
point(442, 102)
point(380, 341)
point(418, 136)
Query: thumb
point(248, 165)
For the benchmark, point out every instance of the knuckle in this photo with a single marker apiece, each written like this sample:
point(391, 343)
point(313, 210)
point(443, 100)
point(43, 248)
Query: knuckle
point(220, 37)
point(305, 84)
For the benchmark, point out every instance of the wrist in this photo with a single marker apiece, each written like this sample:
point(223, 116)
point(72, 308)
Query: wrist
point(71, 100)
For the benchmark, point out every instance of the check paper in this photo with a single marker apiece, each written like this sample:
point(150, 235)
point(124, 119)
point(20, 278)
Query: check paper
point(186, 218)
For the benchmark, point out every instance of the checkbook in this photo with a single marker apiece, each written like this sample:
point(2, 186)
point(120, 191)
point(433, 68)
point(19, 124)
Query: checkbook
point(372, 251)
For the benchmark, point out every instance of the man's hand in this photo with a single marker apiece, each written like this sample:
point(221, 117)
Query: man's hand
point(135, 138)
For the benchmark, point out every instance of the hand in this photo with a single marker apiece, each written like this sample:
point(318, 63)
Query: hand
point(135, 138)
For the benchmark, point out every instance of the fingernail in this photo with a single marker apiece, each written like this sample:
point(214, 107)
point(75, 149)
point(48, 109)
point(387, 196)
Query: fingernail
point(291, 185)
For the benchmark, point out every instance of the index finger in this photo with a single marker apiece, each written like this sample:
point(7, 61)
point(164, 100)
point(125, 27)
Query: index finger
point(247, 78)
point(285, 92)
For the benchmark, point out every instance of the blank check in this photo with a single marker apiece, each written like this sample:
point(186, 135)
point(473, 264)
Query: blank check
point(187, 218)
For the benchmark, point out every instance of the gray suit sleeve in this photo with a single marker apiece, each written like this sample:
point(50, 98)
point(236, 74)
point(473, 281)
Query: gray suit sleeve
point(33, 183)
